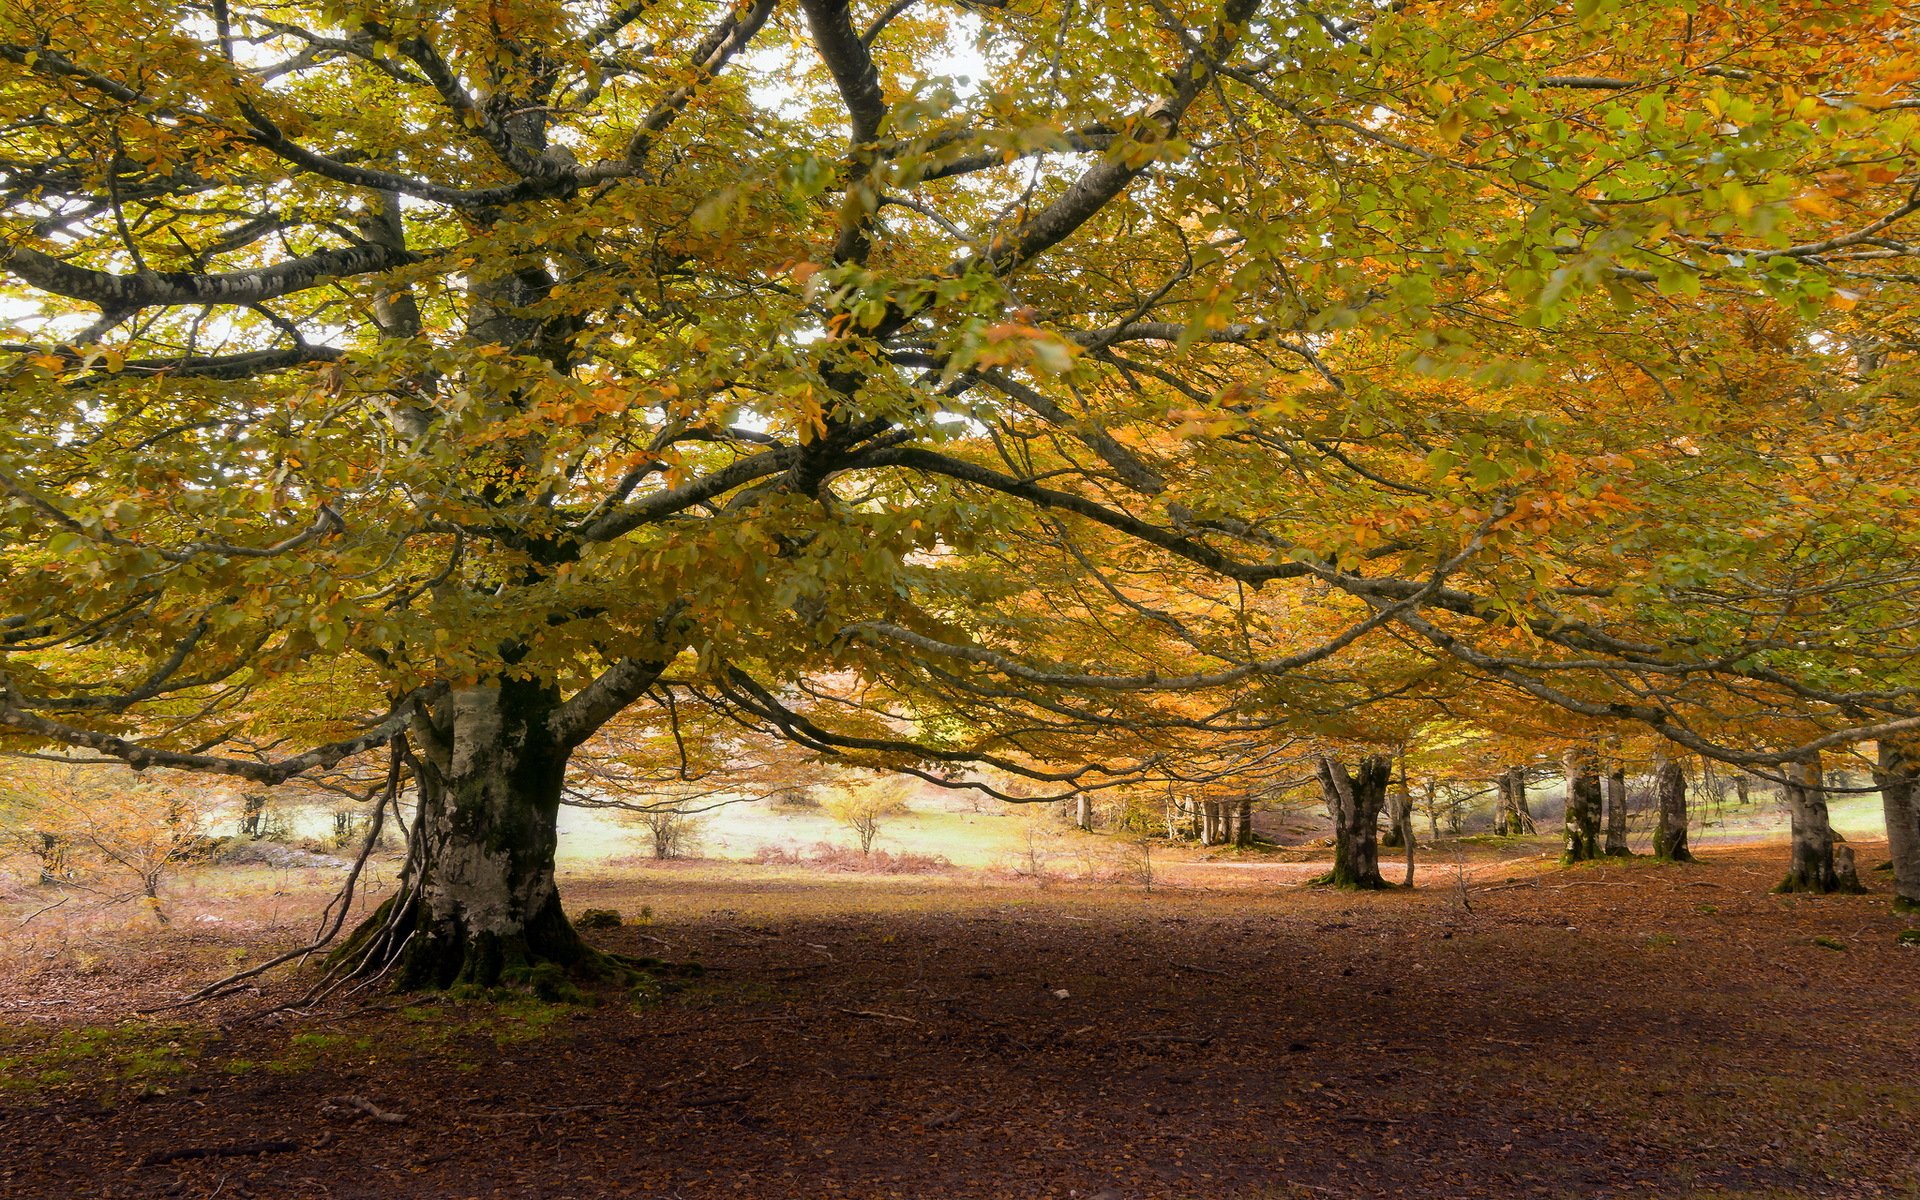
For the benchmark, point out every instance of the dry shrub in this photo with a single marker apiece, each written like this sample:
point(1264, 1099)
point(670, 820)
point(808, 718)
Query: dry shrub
point(824, 856)
point(102, 827)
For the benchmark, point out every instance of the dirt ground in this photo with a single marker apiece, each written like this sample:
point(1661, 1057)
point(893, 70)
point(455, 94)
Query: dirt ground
point(1617, 1030)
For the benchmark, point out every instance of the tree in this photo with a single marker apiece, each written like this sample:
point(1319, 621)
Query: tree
point(100, 818)
point(451, 377)
point(1815, 865)
point(1582, 823)
point(864, 806)
point(1616, 801)
point(1354, 799)
point(1670, 799)
point(1897, 774)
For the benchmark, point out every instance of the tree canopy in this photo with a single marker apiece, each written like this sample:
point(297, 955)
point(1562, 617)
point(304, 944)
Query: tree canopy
point(938, 382)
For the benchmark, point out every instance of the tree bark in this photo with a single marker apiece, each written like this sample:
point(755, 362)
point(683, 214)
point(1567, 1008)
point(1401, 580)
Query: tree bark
point(1670, 833)
point(1812, 867)
point(1083, 811)
point(1355, 799)
point(1617, 813)
point(1522, 815)
point(1243, 836)
point(1898, 775)
point(1399, 818)
point(478, 904)
point(1583, 809)
point(1506, 823)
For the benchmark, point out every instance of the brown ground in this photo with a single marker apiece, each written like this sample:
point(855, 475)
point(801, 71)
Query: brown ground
point(1610, 1031)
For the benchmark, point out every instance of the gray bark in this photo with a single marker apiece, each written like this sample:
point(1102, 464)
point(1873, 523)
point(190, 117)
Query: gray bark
point(1355, 799)
point(1898, 776)
point(1813, 866)
point(1522, 815)
point(1670, 833)
point(1583, 809)
point(1617, 813)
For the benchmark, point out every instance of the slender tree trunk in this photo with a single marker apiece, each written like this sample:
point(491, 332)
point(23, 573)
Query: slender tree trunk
point(1617, 813)
point(1583, 809)
point(1355, 799)
point(1243, 836)
point(1670, 834)
point(1399, 818)
point(1898, 775)
point(478, 903)
point(1812, 868)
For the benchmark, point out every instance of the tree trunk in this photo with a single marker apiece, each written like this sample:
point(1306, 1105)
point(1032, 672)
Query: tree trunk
point(1617, 813)
point(1670, 833)
point(1898, 776)
point(1355, 799)
point(1583, 810)
point(1523, 816)
point(1505, 822)
point(1742, 786)
point(478, 903)
point(1243, 836)
point(1083, 811)
point(253, 814)
point(1812, 868)
point(1399, 818)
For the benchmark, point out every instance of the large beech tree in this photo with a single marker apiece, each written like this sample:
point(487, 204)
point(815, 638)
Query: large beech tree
point(449, 376)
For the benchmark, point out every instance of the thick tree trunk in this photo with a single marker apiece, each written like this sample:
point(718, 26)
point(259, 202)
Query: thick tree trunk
point(1898, 776)
point(1506, 823)
point(478, 903)
point(1617, 813)
point(1742, 787)
point(1243, 836)
point(1083, 811)
point(1812, 868)
point(1522, 815)
point(1355, 800)
point(1583, 810)
point(1670, 831)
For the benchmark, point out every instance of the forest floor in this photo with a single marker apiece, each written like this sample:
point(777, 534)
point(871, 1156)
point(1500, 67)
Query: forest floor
point(1507, 1029)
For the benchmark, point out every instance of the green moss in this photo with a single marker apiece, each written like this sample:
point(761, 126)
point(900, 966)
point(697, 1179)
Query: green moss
point(131, 1052)
point(1829, 943)
point(1907, 937)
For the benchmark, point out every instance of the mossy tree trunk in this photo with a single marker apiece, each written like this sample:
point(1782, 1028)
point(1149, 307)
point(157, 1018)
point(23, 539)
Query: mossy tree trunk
point(483, 900)
point(1617, 813)
point(1898, 776)
point(478, 903)
point(1812, 868)
point(1670, 828)
point(1355, 798)
point(1583, 809)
